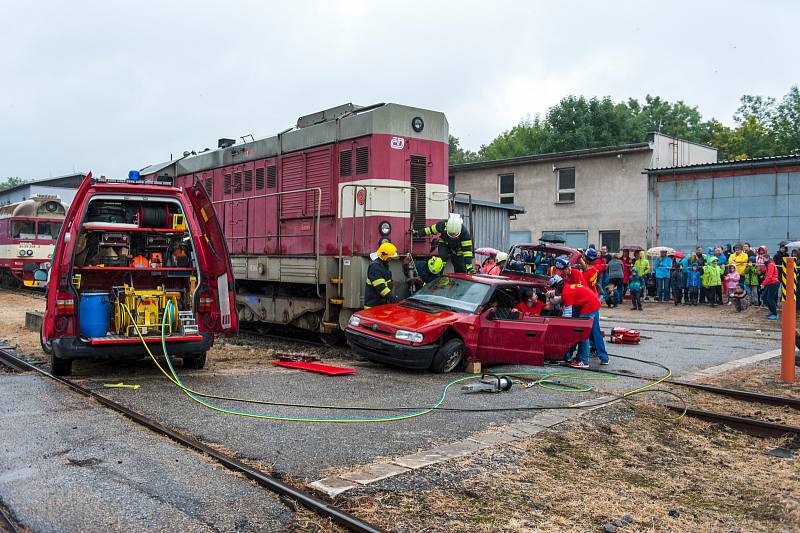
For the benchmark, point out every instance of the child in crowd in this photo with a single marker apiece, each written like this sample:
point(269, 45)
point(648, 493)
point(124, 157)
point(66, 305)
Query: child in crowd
point(731, 282)
point(739, 297)
point(752, 280)
point(611, 299)
point(711, 280)
point(636, 285)
point(693, 284)
point(677, 282)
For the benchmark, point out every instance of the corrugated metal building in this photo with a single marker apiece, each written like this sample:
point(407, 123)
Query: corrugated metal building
point(63, 186)
point(753, 200)
point(490, 221)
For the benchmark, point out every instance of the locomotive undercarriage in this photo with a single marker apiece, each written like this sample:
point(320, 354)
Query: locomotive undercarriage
point(302, 292)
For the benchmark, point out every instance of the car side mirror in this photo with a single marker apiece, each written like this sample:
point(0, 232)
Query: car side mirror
point(492, 314)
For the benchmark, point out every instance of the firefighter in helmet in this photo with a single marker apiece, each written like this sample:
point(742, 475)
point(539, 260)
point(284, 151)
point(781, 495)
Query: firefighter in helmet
point(379, 277)
point(426, 271)
point(454, 242)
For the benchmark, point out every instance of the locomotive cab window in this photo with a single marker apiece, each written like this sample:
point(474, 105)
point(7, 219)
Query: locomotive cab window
point(48, 230)
point(23, 229)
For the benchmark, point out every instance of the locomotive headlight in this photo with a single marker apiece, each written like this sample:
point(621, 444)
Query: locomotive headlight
point(385, 228)
point(29, 252)
point(21, 253)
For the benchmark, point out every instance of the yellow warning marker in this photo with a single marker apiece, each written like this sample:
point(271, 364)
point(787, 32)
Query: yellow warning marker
point(120, 386)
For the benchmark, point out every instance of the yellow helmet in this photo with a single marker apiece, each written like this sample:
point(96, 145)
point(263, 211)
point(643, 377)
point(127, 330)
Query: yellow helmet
point(387, 251)
point(435, 264)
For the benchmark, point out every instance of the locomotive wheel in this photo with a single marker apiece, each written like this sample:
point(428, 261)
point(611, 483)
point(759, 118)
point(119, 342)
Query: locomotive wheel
point(46, 346)
point(332, 339)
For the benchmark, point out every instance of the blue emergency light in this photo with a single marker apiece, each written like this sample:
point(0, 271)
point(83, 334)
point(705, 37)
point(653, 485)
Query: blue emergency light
point(133, 175)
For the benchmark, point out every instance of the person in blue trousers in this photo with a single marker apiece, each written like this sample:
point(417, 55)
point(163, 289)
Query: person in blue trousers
point(663, 268)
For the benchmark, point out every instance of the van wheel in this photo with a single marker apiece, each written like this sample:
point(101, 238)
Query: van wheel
point(450, 357)
point(60, 367)
point(47, 347)
point(195, 361)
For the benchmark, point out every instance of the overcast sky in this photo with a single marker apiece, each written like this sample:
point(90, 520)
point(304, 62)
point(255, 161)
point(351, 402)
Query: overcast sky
point(110, 86)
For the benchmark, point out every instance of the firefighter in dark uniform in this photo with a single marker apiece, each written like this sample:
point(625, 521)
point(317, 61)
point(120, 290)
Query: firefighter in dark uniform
point(454, 243)
point(426, 271)
point(379, 277)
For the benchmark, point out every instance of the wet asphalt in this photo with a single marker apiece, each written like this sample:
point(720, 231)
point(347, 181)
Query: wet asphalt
point(70, 465)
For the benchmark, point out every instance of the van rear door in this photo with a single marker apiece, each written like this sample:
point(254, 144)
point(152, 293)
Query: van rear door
point(59, 285)
point(213, 260)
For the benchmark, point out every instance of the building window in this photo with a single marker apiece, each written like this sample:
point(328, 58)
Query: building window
point(572, 239)
point(610, 239)
point(451, 184)
point(506, 187)
point(566, 185)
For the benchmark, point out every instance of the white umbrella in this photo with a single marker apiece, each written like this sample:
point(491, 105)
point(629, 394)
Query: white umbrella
point(655, 251)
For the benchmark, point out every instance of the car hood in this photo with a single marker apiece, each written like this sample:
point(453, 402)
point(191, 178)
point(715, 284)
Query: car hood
point(400, 316)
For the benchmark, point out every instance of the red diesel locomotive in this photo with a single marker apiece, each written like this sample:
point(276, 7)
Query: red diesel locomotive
point(28, 232)
point(303, 210)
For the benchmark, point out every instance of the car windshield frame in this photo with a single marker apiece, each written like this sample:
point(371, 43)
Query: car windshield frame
point(478, 293)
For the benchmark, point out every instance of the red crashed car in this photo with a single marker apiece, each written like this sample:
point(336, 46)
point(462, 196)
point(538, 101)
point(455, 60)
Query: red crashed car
point(460, 317)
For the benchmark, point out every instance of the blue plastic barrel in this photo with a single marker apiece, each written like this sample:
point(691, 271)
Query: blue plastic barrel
point(94, 313)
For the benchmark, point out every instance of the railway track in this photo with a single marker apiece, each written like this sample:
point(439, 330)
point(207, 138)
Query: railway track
point(310, 502)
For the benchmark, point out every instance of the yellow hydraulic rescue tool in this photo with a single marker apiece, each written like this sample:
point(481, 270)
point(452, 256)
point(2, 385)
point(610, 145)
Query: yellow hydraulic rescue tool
point(147, 309)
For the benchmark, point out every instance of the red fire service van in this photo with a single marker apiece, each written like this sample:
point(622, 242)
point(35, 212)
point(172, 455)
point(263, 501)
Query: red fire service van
point(136, 258)
point(460, 317)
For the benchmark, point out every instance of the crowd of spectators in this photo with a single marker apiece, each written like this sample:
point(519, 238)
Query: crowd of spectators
point(739, 276)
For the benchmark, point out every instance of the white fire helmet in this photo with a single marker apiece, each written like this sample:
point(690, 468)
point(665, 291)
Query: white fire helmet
point(454, 225)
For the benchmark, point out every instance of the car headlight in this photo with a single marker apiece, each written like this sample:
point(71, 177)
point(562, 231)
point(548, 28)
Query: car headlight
point(354, 320)
point(385, 228)
point(22, 253)
point(410, 336)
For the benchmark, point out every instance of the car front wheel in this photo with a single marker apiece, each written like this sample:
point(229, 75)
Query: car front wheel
point(450, 357)
point(195, 361)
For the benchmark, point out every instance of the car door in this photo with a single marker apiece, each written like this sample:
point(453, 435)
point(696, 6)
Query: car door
point(518, 342)
point(214, 262)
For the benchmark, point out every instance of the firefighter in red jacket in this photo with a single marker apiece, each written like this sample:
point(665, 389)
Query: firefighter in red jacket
point(567, 272)
point(454, 242)
point(579, 301)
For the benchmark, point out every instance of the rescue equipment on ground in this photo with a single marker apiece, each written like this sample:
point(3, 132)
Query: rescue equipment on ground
point(328, 370)
point(624, 336)
point(120, 385)
point(489, 383)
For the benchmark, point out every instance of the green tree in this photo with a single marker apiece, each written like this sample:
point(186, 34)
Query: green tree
point(11, 182)
point(786, 123)
point(458, 154)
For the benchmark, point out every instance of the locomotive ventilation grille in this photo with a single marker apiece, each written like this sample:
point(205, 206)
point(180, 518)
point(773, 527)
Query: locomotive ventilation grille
point(346, 163)
point(419, 170)
point(209, 183)
point(226, 184)
point(237, 182)
point(272, 176)
point(362, 159)
point(259, 179)
point(248, 180)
